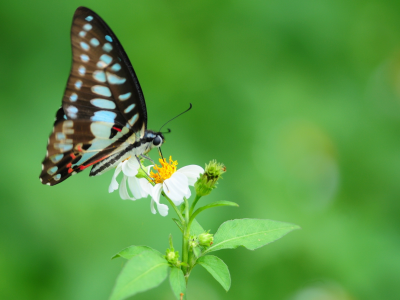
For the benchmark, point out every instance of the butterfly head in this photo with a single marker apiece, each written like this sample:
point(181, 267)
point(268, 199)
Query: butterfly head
point(158, 140)
point(154, 139)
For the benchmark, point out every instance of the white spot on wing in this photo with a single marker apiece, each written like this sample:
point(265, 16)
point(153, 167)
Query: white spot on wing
point(87, 27)
point(101, 90)
point(102, 103)
point(72, 110)
point(82, 33)
point(99, 76)
point(94, 42)
point(84, 58)
point(56, 157)
point(129, 108)
point(82, 70)
point(63, 147)
point(99, 129)
point(133, 120)
point(106, 58)
point(124, 97)
point(52, 170)
point(73, 97)
point(60, 136)
point(107, 47)
point(104, 61)
point(57, 177)
point(78, 84)
point(84, 46)
point(116, 67)
point(114, 79)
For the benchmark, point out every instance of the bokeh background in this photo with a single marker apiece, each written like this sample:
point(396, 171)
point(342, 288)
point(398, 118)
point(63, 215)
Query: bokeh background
point(300, 100)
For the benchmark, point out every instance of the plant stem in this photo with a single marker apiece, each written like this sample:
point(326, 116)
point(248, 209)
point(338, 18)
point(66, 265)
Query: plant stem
point(194, 203)
point(185, 243)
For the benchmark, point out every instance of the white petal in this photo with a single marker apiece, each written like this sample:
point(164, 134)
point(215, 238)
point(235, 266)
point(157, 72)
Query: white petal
point(162, 209)
point(192, 172)
point(146, 187)
point(135, 187)
point(130, 167)
point(123, 191)
point(114, 183)
point(152, 209)
point(176, 187)
point(156, 192)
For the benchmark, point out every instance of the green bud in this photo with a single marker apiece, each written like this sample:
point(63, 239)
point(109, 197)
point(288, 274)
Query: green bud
point(193, 242)
point(208, 181)
point(171, 255)
point(206, 239)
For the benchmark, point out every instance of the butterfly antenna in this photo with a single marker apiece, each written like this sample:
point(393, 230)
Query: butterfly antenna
point(165, 132)
point(177, 116)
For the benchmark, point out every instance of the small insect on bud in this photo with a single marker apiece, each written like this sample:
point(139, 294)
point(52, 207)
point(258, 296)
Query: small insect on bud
point(208, 180)
point(206, 239)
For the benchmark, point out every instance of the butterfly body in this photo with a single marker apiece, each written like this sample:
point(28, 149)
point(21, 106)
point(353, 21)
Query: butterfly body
point(103, 117)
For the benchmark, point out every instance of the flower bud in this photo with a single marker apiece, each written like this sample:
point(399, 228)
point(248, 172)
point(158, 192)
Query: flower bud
point(208, 181)
point(172, 257)
point(206, 239)
point(193, 242)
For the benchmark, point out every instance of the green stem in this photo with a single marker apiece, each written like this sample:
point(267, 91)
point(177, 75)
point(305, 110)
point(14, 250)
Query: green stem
point(194, 203)
point(175, 208)
point(185, 243)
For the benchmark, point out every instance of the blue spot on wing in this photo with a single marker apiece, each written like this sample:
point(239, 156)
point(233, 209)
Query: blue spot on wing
point(104, 116)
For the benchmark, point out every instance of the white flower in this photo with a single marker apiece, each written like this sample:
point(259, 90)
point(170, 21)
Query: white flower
point(174, 183)
point(139, 187)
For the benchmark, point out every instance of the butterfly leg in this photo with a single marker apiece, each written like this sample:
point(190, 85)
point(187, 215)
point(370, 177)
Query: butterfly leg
point(148, 158)
point(141, 166)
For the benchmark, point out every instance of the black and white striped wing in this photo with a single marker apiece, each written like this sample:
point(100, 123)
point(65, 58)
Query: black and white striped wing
point(103, 104)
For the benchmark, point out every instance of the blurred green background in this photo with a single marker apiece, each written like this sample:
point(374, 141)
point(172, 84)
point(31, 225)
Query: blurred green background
point(300, 100)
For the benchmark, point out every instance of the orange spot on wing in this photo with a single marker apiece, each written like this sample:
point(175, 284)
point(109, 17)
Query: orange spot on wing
point(82, 167)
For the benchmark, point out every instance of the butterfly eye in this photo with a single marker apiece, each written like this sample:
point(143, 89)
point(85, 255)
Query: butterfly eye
point(157, 141)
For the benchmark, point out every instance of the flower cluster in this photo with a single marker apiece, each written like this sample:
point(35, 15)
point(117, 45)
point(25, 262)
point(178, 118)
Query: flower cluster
point(143, 182)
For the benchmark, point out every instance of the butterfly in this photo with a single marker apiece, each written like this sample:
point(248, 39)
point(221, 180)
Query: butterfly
point(103, 117)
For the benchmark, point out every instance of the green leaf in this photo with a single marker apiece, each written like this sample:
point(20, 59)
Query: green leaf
point(217, 268)
point(211, 205)
point(196, 228)
point(178, 223)
point(132, 251)
point(142, 272)
point(197, 252)
point(249, 233)
point(178, 283)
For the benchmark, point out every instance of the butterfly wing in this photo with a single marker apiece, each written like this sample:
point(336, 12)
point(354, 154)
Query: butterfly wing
point(76, 145)
point(102, 85)
point(103, 104)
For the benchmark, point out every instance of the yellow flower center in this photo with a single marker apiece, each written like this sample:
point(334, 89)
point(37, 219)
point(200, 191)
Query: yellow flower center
point(165, 171)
